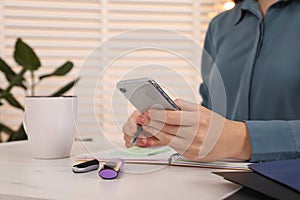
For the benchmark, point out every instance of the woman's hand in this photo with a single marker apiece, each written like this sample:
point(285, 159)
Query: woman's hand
point(145, 139)
point(186, 131)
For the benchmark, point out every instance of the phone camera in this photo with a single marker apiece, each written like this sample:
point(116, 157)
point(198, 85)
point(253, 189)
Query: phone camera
point(122, 89)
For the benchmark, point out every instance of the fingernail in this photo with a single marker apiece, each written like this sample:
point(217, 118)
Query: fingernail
point(140, 120)
point(149, 143)
point(143, 141)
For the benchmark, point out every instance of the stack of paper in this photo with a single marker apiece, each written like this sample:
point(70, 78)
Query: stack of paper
point(268, 180)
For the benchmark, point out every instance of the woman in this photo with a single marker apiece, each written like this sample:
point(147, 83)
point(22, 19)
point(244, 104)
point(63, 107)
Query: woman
point(256, 49)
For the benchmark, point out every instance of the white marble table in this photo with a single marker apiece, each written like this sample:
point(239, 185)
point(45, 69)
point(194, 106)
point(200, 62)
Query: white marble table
point(23, 176)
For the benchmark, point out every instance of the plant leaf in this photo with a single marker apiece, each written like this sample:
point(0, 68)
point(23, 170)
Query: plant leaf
point(11, 100)
point(9, 73)
point(62, 70)
point(66, 88)
point(6, 129)
point(20, 134)
point(1, 94)
point(16, 79)
point(25, 56)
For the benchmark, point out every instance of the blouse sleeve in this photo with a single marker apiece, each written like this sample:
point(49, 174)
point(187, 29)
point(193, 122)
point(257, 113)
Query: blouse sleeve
point(274, 140)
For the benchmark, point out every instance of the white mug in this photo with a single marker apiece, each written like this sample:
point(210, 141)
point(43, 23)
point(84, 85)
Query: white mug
point(50, 124)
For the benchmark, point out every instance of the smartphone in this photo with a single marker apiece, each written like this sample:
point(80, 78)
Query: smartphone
point(145, 93)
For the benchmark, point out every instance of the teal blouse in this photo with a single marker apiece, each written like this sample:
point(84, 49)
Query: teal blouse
point(259, 61)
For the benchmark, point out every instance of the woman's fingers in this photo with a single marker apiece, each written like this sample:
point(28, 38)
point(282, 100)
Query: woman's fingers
point(163, 138)
point(185, 105)
point(142, 142)
point(130, 126)
point(180, 118)
point(166, 128)
point(188, 132)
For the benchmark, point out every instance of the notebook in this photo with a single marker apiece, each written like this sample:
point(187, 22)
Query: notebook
point(162, 155)
point(247, 194)
point(260, 183)
point(286, 172)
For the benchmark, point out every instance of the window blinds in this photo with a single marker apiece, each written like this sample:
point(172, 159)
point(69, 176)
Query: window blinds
point(58, 30)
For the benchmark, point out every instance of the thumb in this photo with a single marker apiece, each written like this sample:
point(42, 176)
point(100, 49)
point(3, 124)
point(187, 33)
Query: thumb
point(186, 105)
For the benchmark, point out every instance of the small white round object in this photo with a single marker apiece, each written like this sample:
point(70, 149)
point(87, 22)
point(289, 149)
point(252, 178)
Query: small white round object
point(229, 5)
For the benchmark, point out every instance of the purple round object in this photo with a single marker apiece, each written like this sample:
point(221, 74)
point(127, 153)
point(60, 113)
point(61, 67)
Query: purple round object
point(108, 174)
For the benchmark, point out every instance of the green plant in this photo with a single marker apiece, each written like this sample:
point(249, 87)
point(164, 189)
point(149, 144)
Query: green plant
point(29, 62)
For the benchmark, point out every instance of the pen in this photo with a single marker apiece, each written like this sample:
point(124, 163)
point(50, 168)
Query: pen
point(137, 134)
